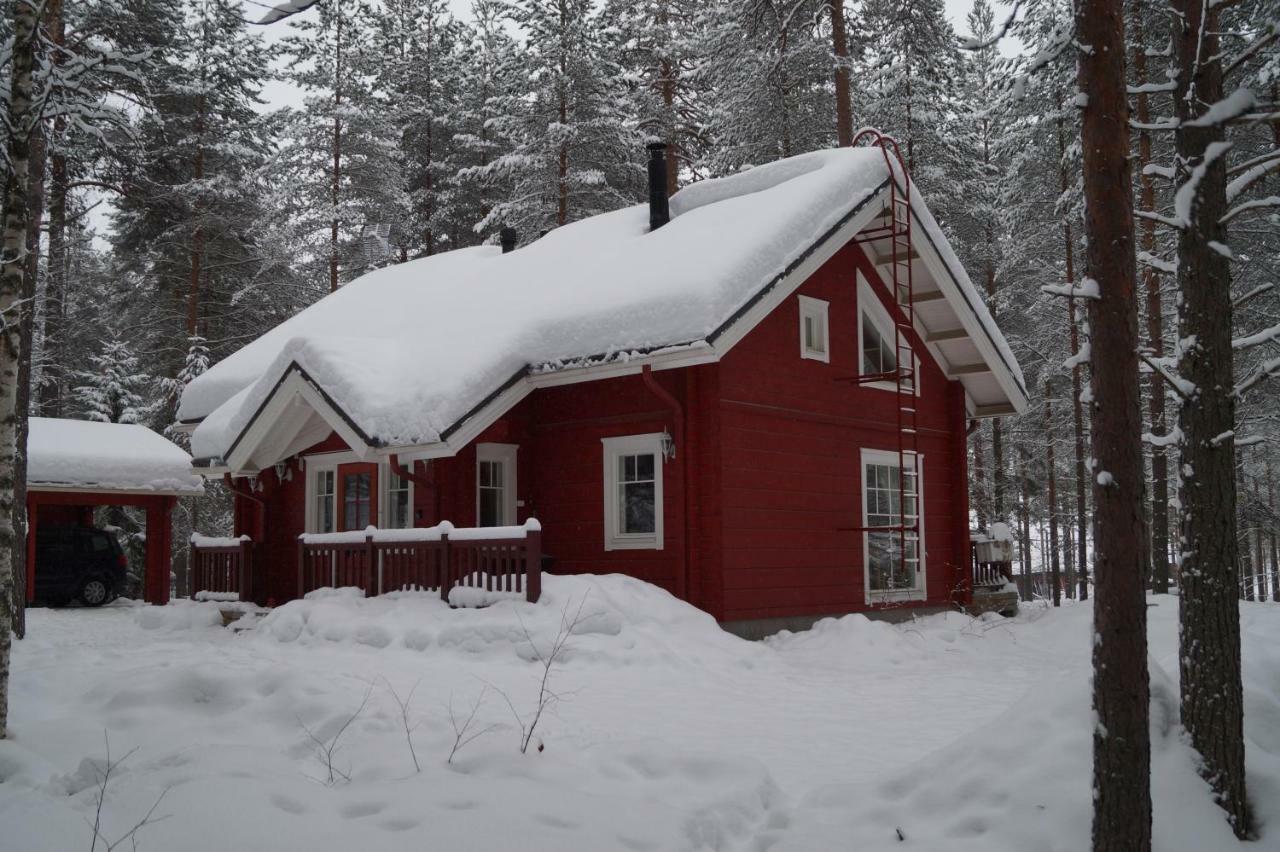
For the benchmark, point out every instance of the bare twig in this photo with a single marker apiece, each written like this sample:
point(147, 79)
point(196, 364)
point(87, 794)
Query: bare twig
point(327, 750)
point(462, 733)
point(404, 704)
point(148, 818)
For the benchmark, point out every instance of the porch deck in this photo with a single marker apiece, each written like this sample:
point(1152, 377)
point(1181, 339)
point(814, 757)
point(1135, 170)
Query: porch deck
point(485, 561)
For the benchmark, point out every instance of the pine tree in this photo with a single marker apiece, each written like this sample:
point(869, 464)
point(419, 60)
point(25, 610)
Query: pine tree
point(768, 72)
point(340, 159)
point(1121, 685)
point(573, 148)
point(113, 390)
point(486, 79)
point(910, 65)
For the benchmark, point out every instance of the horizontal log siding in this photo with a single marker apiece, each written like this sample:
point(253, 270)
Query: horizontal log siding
point(790, 441)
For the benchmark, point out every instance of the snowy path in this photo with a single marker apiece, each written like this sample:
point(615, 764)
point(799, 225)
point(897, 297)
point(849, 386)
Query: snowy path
point(670, 734)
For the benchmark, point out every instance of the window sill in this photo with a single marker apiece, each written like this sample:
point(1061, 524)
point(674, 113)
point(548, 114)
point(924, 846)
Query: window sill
point(642, 543)
point(895, 596)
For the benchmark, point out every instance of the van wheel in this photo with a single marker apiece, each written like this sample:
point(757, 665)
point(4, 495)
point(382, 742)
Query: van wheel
point(94, 592)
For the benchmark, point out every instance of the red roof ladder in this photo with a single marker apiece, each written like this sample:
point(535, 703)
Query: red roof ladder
point(898, 232)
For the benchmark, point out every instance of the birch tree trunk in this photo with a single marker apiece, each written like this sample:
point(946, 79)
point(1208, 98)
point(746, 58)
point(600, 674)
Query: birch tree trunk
point(1212, 694)
point(1121, 688)
point(12, 275)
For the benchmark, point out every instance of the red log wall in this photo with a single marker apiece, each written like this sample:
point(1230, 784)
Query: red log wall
point(773, 445)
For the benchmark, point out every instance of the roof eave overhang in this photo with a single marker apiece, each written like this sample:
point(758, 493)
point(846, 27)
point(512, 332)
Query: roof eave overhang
point(520, 384)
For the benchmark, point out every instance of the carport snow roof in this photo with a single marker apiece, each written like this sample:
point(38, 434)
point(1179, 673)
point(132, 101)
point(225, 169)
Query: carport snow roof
point(85, 455)
point(407, 353)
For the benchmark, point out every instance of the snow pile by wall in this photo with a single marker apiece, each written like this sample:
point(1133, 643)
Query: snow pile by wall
point(615, 619)
point(113, 456)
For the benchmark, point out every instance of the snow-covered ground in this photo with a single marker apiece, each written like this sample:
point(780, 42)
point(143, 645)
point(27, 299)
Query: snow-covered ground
point(941, 734)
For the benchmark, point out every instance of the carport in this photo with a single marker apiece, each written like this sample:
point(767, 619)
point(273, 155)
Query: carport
point(74, 466)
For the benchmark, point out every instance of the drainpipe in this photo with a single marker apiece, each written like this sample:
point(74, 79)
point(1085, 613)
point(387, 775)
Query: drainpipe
point(393, 461)
point(677, 413)
point(249, 495)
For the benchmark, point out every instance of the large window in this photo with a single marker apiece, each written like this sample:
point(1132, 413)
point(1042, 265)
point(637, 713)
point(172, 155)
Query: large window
point(878, 343)
point(633, 492)
point(495, 485)
point(891, 500)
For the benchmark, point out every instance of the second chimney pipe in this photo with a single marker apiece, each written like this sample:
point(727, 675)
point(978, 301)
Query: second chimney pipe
point(659, 209)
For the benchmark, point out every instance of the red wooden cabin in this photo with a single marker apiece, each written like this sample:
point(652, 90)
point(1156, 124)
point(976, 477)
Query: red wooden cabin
point(752, 467)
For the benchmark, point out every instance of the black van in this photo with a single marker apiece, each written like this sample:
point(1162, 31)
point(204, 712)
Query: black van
point(78, 562)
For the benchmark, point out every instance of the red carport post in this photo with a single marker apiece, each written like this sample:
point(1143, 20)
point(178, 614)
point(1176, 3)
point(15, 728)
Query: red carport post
point(155, 584)
point(33, 509)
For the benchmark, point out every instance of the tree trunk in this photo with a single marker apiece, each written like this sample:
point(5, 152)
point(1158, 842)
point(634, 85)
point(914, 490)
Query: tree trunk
point(1077, 407)
point(1275, 546)
point(1121, 685)
point(12, 287)
point(35, 213)
point(980, 480)
point(1155, 326)
point(337, 153)
point(1055, 569)
point(840, 50)
point(53, 315)
point(1024, 527)
point(197, 238)
point(1212, 699)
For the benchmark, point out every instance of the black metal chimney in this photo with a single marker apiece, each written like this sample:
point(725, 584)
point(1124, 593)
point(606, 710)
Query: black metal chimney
point(508, 237)
point(659, 209)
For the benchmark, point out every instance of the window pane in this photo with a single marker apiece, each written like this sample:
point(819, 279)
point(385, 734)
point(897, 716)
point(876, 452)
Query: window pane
point(355, 501)
point(638, 507)
point(490, 507)
point(644, 467)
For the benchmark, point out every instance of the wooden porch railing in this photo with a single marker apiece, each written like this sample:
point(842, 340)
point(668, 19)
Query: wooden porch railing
point(488, 559)
point(221, 566)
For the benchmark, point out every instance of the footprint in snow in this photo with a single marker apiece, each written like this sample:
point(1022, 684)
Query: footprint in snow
point(362, 809)
point(288, 805)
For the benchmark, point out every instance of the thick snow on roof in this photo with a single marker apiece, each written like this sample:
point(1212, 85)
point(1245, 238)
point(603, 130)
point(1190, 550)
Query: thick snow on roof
point(106, 457)
point(408, 350)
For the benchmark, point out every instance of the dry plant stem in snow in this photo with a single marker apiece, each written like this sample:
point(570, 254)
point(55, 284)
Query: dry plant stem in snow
point(98, 841)
point(327, 750)
point(404, 717)
point(462, 733)
point(546, 697)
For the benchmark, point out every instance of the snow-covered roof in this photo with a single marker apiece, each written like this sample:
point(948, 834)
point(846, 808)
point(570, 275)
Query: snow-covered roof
point(91, 456)
point(407, 353)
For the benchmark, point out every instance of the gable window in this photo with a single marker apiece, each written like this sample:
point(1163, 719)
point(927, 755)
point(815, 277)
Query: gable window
point(633, 492)
point(495, 485)
point(399, 502)
point(324, 501)
point(891, 500)
point(878, 343)
point(814, 337)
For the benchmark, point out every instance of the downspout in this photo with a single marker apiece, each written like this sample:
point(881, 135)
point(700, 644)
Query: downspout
point(406, 473)
point(677, 413)
point(249, 495)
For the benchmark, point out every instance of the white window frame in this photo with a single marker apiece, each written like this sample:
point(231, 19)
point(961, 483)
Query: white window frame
point(869, 306)
point(384, 497)
point(920, 591)
point(628, 445)
point(816, 310)
point(507, 455)
point(313, 464)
